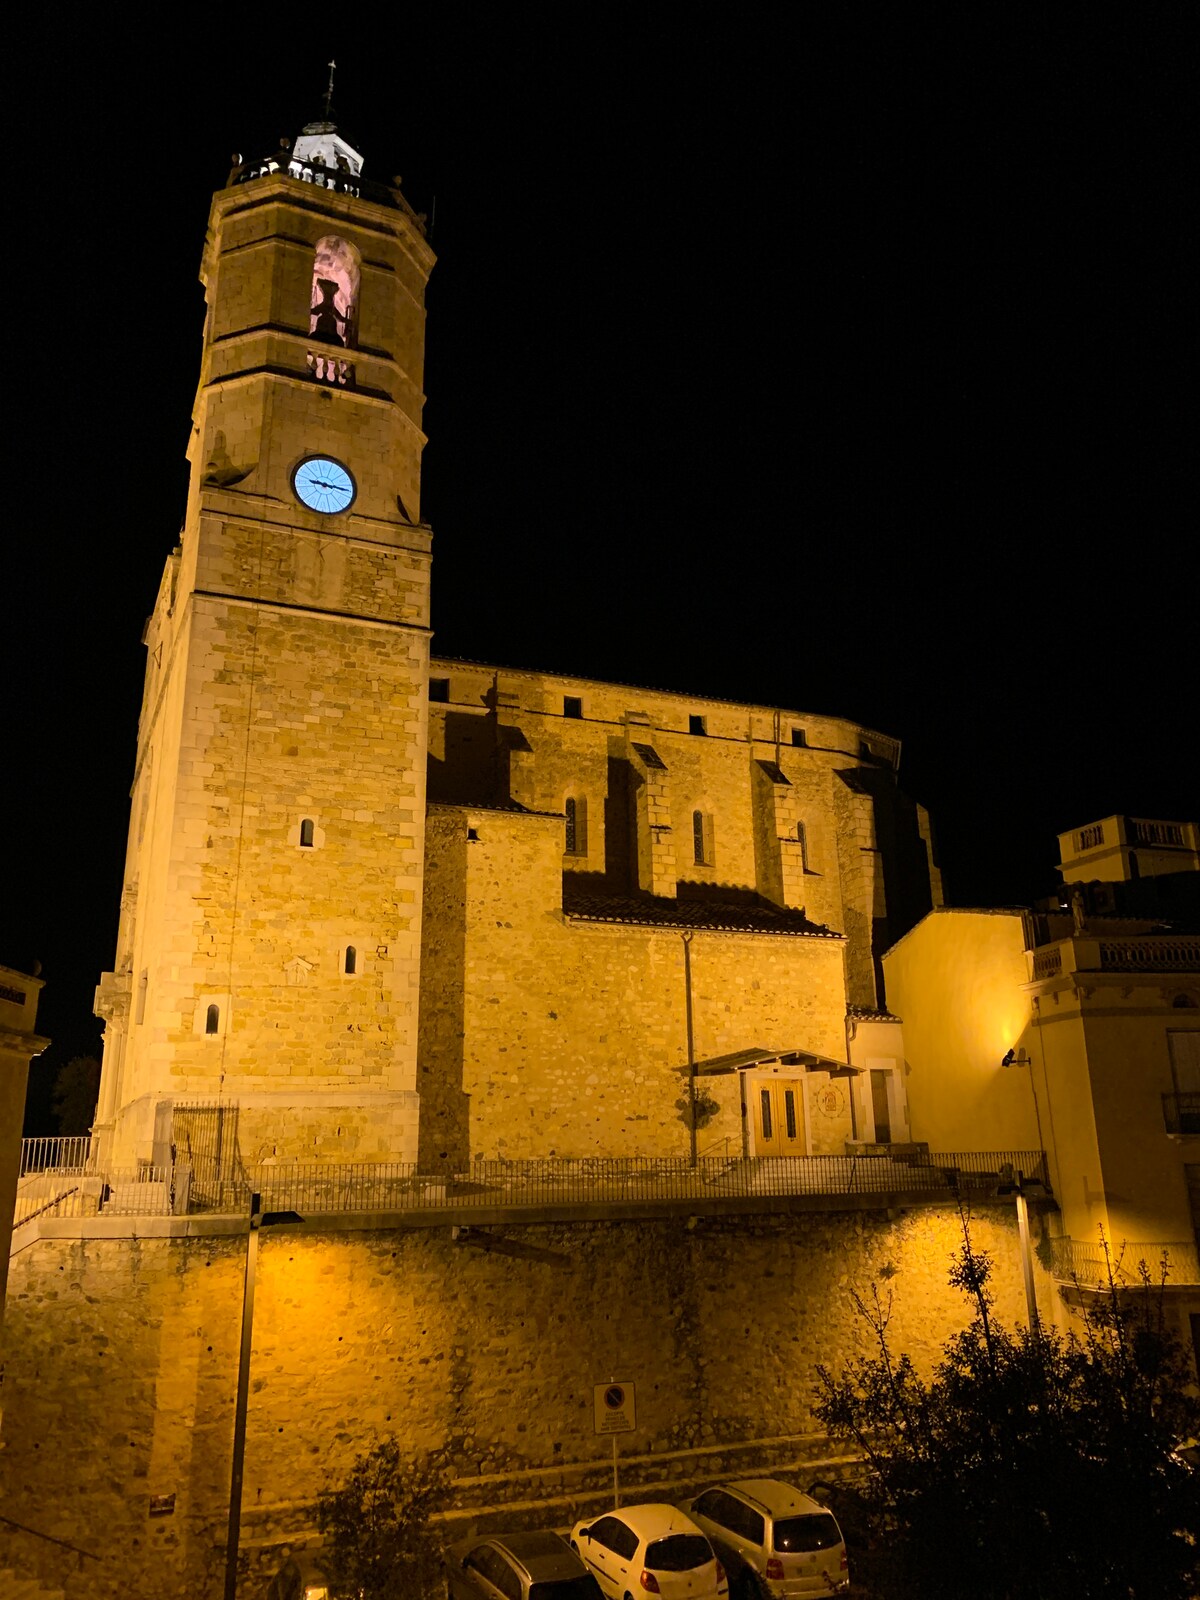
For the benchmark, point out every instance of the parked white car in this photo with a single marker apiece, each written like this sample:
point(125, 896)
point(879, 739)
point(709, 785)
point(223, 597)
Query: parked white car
point(654, 1549)
point(777, 1543)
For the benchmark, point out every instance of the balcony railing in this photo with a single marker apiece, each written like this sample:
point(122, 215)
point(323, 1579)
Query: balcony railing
point(1150, 955)
point(134, 1192)
point(71, 1153)
point(1181, 1113)
point(1075, 1261)
point(329, 1187)
point(1047, 963)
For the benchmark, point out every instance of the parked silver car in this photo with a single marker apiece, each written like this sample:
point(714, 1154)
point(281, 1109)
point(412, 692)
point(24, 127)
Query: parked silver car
point(775, 1542)
point(518, 1566)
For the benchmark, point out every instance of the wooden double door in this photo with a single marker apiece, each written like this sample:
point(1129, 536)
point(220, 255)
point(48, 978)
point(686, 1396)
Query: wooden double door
point(776, 1112)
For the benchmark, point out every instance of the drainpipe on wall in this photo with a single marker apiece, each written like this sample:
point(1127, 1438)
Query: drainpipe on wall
point(691, 1043)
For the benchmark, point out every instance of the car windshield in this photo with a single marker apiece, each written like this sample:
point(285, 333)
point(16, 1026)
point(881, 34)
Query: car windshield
point(793, 1534)
point(678, 1552)
point(581, 1588)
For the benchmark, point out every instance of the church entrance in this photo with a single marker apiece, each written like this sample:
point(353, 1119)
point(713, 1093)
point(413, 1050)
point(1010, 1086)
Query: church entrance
point(777, 1116)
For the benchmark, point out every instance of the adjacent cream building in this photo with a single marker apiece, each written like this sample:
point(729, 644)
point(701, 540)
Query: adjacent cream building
point(1074, 1029)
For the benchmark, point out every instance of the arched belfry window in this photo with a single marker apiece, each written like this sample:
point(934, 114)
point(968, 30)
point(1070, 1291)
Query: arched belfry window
point(333, 309)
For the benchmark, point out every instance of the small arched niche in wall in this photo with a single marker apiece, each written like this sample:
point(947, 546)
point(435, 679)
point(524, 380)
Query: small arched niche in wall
point(350, 960)
point(212, 1016)
point(306, 833)
point(333, 309)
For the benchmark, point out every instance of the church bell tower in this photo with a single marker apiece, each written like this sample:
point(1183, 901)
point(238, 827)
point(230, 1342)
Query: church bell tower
point(266, 973)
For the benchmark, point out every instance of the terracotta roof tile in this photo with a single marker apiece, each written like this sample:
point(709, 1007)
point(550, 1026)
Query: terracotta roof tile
point(660, 912)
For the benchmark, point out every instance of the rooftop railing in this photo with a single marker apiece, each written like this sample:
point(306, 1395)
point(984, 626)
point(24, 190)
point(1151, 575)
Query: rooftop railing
point(322, 1188)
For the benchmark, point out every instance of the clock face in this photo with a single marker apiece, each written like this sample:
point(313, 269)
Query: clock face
point(323, 485)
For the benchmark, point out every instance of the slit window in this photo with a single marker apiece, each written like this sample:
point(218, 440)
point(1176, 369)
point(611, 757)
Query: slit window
point(702, 839)
point(439, 690)
point(575, 833)
point(572, 705)
point(306, 834)
point(212, 1020)
point(802, 837)
point(697, 725)
point(350, 965)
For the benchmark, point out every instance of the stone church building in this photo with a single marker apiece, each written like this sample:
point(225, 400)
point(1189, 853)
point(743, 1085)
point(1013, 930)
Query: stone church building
point(404, 909)
point(426, 929)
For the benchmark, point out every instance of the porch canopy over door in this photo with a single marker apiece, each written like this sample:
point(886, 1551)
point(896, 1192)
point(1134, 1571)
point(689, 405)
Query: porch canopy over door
point(744, 1060)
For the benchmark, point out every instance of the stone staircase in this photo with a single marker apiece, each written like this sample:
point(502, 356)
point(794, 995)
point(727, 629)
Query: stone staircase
point(14, 1588)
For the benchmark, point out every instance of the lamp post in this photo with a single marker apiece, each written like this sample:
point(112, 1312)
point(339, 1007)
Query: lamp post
point(691, 1043)
point(258, 1221)
point(1023, 1190)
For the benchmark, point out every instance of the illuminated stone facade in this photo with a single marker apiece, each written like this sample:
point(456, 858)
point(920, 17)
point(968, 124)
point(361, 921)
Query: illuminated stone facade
point(278, 798)
point(123, 1362)
point(382, 910)
point(579, 834)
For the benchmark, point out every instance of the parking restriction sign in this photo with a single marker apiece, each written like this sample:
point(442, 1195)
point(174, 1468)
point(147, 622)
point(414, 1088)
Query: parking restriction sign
point(615, 1407)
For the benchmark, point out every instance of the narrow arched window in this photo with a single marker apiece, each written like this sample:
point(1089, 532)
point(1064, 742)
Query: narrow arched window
point(212, 1020)
point(306, 834)
point(575, 828)
point(698, 841)
point(333, 309)
point(802, 836)
point(351, 960)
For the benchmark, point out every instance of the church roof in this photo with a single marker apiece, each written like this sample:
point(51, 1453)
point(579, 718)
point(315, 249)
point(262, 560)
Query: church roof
point(661, 912)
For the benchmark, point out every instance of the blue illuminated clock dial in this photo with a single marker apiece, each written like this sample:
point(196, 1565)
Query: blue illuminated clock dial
point(323, 485)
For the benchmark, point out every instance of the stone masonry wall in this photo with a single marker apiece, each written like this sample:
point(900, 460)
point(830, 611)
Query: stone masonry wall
point(543, 1035)
point(122, 1359)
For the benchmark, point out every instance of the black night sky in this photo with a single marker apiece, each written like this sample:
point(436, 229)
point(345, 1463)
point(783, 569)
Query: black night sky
point(831, 359)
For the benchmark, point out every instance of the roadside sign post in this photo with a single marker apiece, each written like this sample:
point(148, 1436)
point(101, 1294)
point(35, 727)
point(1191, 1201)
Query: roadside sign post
point(614, 1408)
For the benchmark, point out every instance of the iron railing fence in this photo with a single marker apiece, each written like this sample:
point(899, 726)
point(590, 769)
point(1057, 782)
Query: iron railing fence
point(314, 1187)
point(143, 1191)
point(65, 1153)
point(325, 1187)
point(1076, 1260)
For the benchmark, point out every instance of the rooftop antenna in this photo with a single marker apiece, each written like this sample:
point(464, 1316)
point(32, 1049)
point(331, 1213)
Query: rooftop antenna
point(329, 93)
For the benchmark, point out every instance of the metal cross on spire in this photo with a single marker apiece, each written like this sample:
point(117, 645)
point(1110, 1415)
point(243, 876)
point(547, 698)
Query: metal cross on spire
point(329, 92)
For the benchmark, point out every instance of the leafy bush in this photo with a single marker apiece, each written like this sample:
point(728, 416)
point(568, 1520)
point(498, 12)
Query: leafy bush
point(1031, 1466)
point(378, 1543)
